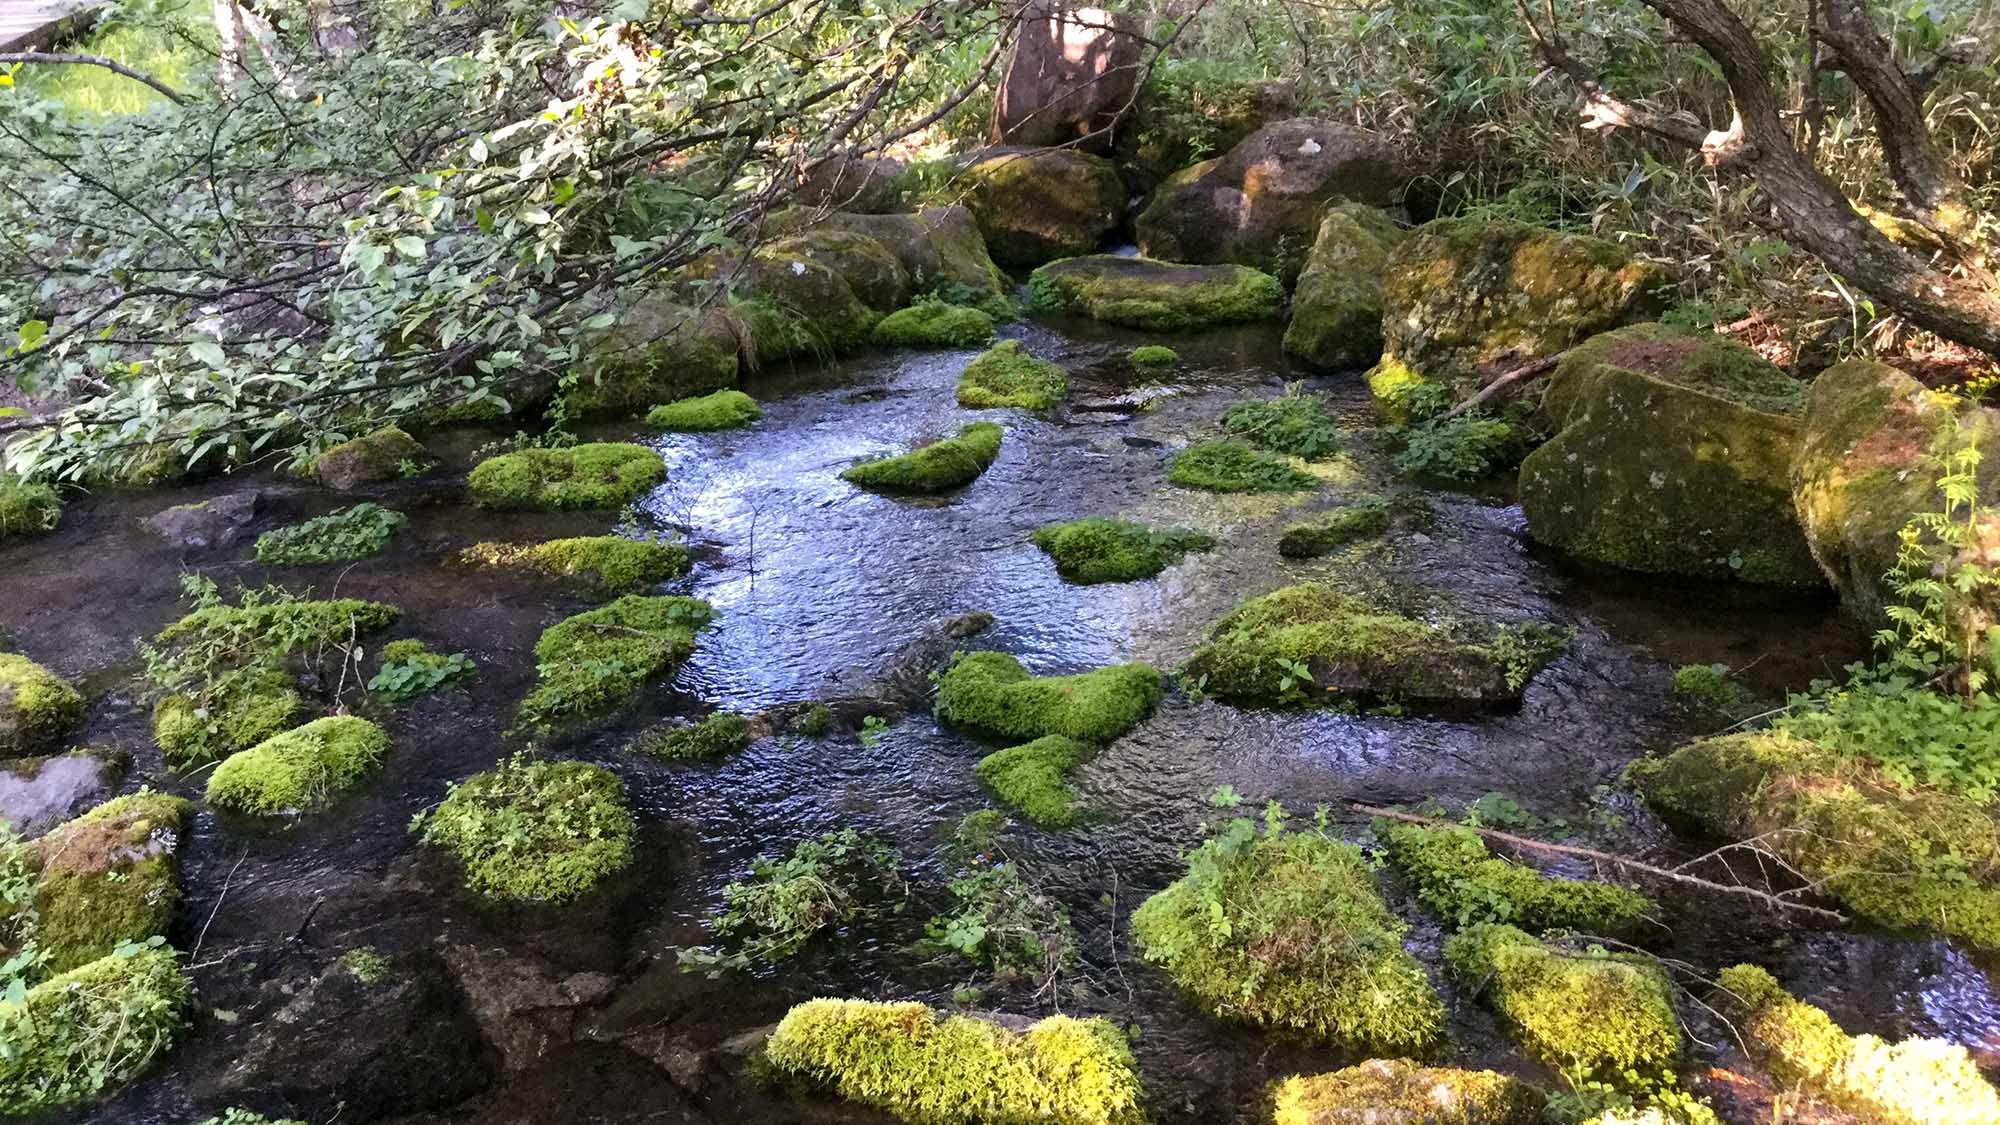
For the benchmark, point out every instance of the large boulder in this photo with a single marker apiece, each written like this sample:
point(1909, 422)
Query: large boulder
point(1464, 300)
point(1674, 457)
point(1156, 296)
point(941, 248)
point(790, 303)
point(876, 275)
point(864, 184)
point(369, 459)
point(1037, 205)
point(1259, 204)
point(659, 349)
point(1188, 113)
point(1337, 309)
point(1071, 75)
point(108, 877)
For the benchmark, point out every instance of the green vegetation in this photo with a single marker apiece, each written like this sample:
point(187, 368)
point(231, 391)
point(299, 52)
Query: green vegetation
point(534, 831)
point(409, 669)
point(37, 709)
point(900, 1058)
point(1095, 549)
point(786, 902)
point(1708, 685)
point(1380, 1088)
point(1457, 877)
point(1007, 376)
point(1916, 736)
point(1467, 447)
point(718, 736)
point(1365, 516)
point(595, 661)
point(595, 475)
point(1231, 466)
point(80, 1034)
point(815, 722)
point(366, 963)
point(93, 884)
point(1295, 423)
point(299, 771)
point(1285, 930)
point(1155, 296)
point(27, 508)
point(1153, 358)
point(604, 564)
point(170, 40)
point(1031, 777)
point(934, 324)
point(999, 919)
point(386, 454)
point(339, 535)
point(938, 467)
point(992, 693)
point(720, 410)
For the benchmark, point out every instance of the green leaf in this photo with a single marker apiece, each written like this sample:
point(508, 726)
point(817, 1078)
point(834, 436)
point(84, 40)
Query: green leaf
point(209, 353)
point(410, 246)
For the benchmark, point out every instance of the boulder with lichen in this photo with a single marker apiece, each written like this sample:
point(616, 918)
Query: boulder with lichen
point(1034, 205)
point(1336, 316)
point(1153, 295)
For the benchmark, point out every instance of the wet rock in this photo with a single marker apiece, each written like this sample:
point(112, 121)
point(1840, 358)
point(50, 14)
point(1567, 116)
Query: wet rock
point(1398, 1090)
point(594, 1083)
point(522, 1008)
point(37, 709)
point(862, 184)
point(1037, 205)
point(38, 793)
point(1070, 76)
point(370, 459)
point(108, 877)
point(657, 350)
point(1156, 296)
point(220, 522)
point(893, 685)
point(791, 304)
point(1336, 318)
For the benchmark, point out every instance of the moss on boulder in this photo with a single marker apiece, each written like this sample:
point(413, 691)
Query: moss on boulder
point(1005, 375)
point(941, 466)
point(1155, 296)
point(107, 877)
point(992, 693)
point(961, 1070)
point(1336, 318)
point(941, 247)
point(873, 272)
point(82, 1033)
point(593, 475)
point(27, 509)
point(934, 324)
point(1037, 205)
point(717, 410)
point(1399, 1092)
point(717, 736)
point(1032, 778)
point(370, 459)
point(1152, 358)
point(1455, 875)
point(1231, 466)
point(534, 831)
point(191, 731)
point(300, 771)
point(1095, 549)
point(792, 303)
point(657, 349)
point(37, 709)
point(1364, 517)
point(595, 661)
point(603, 564)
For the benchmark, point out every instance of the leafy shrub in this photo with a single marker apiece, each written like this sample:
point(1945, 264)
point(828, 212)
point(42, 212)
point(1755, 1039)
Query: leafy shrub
point(997, 918)
point(409, 670)
point(605, 564)
point(991, 692)
point(1457, 877)
point(1007, 376)
point(300, 770)
point(1229, 466)
point(1917, 736)
point(594, 475)
point(722, 410)
point(1032, 777)
point(717, 736)
point(1468, 447)
point(529, 831)
point(784, 903)
point(75, 1036)
point(339, 535)
point(1095, 549)
point(1295, 422)
point(938, 467)
point(593, 662)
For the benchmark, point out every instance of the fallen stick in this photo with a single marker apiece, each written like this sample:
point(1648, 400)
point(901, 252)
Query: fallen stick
point(1519, 374)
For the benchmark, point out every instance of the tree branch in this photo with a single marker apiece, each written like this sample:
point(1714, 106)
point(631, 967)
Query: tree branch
point(115, 67)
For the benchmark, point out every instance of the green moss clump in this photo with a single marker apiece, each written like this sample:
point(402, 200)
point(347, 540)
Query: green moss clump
point(1366, 516)
point(1594, 1016)
point(37, 709)
point(717, 736)
point(1094, 549)
point(409, 669)
point(1708, 685)
point(1286, 930)
point(1231, 466)
point(366, 963)
point(190, 731)
point(719, 410)
point(1457, 877)
point(533, 831)
point(1400, 1090)
point(816, 722)
point(108, 877)
point(344, 533)
point(78, 1035)
point(301, 770)
point(1914, 1082)
point(27, 508)
point(934, 324)
point(1294, 423)
point(938, 467)
point(961, 1071)
point(1153, 358)
point(1155, 296)
point(1032, 777)
point(1007, 376)
point(604, 564)
point(992, 693)
point(591, 663)
point(594, 475)
point(369, 459)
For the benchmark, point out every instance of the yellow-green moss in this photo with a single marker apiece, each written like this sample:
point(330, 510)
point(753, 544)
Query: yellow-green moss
point(1400, 1091)
point(1336, 318)
point(794, 304)
point(369, 459)
point(1231, 466)
point(719, 410)
point(960, 1071)
point(595, 661)
point(992, 693)
point(717, 736)
point(37, 709)
point(938, 467)
point(1007, 376)
point(1153, 358)
point(1457, 877)
point(1366, 516)
point(27, 508)
point(1032, 777)
point(594, 475)
point(105, 878)
point(604, 564)
point(531, 831)
point(78, 1035)
point(190, 731)
point(1155, 296)
point(302, 770)
point(1037, 205)
point(934, 324)
point(1094, 549)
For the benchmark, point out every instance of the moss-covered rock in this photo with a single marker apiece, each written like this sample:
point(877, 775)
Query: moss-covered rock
point(1593, 1016)
point(603, 564)
point(961, 1070)
point(1032, 778)
point(717, 736)
point(941, 247)
point(1095, 549)
point(1914, 1082)
point(718, 410)
point(1906, 857)
point(1366, 516)
point(370, 459)
point(1037, 205)
point(595, 661)
point(1005, 375)
point(1151, 359)
point(793, 304)
point(658, 348)
point(1192, 109)
point(1336, 318)
point(27, 509)
point(934, 324)
point(593, 475)
point(871, 270)
point(1674, 456)
point(1286, 931)
point(1465, 884)
point(80, 1034)
point(37, 709)
point(534, 831)
point(1351, 650)
point(1399, 1092)
point(300, 771)
point(992, 693)
point(190, 731)
point(938, 467)
point(1231, 466)
point(1156, 296)
point(105, 878)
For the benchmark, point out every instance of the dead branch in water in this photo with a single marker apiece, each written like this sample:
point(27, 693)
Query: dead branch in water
point(1519, 374)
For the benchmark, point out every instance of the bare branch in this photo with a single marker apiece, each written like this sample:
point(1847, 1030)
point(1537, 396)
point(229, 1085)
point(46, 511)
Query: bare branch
point(112, 65)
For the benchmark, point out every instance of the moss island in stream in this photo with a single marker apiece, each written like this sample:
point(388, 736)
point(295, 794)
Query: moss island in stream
point(108, 877)
point(938, 467)
point(717, 736)
point(1095, 549)
point(594, 475)
point(720, 410)
point(992, 693)
point(1007, 376)
point(1399, 1092)
point(301, 770)
point(1032, 777)
point(1457, 877)
point(37, 709)
point(1231, 466)
point(595, 661)
point(1366, 516)
point(82, 1033)
point(604, 564)
point(534, 831)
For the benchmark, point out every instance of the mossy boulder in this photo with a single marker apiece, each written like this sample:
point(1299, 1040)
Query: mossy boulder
point(1912, 1082)
point(960, 1070)
point(1285, 930)
point(1037, 205)
point(1151, 359)
point(80, 1034)
point(27, 509)
point(370, 459)
point(1353, 651)
point(1005, 375)
point(1455, 875)
point(1095, 549)
point(1336, 318)
point(1232, 466)
point(992, 693)
point(874, 273)
point(1190, 110)
point(934, 324)
point(1904, 857)
point(717, 410)
point(300, 771)
point(1032, 778)
point(1591, 1015)
point(38, 709)
point(792, 303)
point(592, 475)
point(107, 877)
point(940, 466)
point(1674, 456)
point(534, 831)
point(596, 661)
point(1400, 1092)
point(864, 184)
point(603, 564)
point(941, 247)
point(658, 349)
point(1364, 517)
point(1153, 295)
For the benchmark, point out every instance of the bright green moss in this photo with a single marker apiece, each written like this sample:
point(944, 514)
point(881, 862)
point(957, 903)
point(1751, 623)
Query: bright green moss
point(80, 1034)
point(1153, 358)
point(992, 693)
point(1393, 383)
point(1155, 296)
point(720, 410)
point(531, 831)
point(1231, 466)
point(1032, 777)
point(591, 663)
point(366, 963)
point(37, 709)
point(961, 1071)
point(27, 509)
point(1592, 1016)
point(280, 626)
point(1398, 1090)
point(1294, 423)
point(1457, 877)
point(1007, 376)
point(1285, 930)
point(1367, 516)
point(934, 324)
point(1708, 685)
point(938, 467)
point(604, 564)
point(344, 533)
point(717, 736)
point(190, 731)
point(369, 459)
point(595, 475)
point(1914, 1082)
point(1094, 549)
point(301, 770)
point(107, 877)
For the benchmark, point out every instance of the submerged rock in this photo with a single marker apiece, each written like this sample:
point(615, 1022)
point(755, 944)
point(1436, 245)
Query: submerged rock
point(370, 459)
point(941, 466)
point(1071, 77)
point(595, 662)
point(36, 794)
point(1336, 318)
point(658, 349)
point(992, 693)
point(108, 877)
point(1153, 295)
point(80, 1034)
point(300, 771)
point(26, 509)
point(592, 475)
point(1399, 1092)
point(934, 324)
point(534, 831)
point(37, 709)
point(221, 522)
point(1037, 205)
point(1366, 516)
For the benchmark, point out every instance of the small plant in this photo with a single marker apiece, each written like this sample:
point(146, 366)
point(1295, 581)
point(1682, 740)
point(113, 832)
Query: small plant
point(873, 727)
point(816, 722)
point(718, 736)
point(410, 670)
point(784, 903)
point(345, 533)
point(1294, 423)
point(1708, 685)
point(1936, 629)
point(534, 831)
point(1467, 447)
point(367, 964)
point(998, 919)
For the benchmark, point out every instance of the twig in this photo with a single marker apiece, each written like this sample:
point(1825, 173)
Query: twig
point(1519, 374)
point(112, 65)
point(217, 909)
